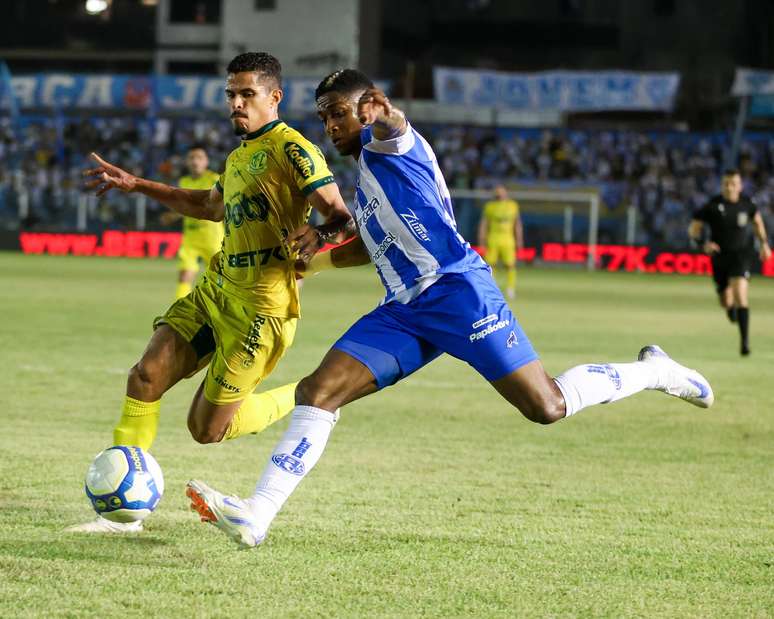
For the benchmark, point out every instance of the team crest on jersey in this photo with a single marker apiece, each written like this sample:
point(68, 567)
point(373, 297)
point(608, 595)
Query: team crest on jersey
point(300, 159)
point(258, 162)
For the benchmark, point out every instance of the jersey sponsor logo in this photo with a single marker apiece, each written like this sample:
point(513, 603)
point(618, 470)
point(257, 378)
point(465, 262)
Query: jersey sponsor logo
point(480, 335)
point(245, 208)
point(484, 321)
point(512, 340)
point(225, 384)
point(366, 212)
point(291, 463)
point(258, 162)
point(253, 336)
point(384, 246)
point(255, 257)
point(416, 226)
point(741, 219)
point(300, 159)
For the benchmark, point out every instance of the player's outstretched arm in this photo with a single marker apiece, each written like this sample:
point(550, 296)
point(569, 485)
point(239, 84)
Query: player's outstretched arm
point(387, 121)
point(201, 204)
point(353, 253)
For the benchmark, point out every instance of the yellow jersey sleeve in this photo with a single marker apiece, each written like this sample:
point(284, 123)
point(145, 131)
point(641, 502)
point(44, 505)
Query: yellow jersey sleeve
point(305, 164)
point(515, 209)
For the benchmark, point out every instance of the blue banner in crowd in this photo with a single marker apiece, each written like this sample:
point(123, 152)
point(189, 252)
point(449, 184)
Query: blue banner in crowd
point(138, 92)
point(567, 91)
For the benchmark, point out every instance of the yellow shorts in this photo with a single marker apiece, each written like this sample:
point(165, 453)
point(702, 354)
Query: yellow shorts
point(503, 250)
point(242, 346)
point(194, 256)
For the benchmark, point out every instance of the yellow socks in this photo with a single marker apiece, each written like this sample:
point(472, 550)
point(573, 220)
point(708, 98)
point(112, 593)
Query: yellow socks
point(260, 410)
point(138, 424)
point(183, 288)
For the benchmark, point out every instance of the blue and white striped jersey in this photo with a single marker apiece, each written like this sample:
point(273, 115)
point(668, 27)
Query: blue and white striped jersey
point(404, 215)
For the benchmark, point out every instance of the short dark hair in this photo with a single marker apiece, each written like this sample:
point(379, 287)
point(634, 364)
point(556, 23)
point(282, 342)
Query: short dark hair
point(343, 81)
point(197, 146)
point(266, 65)
point(732, 172)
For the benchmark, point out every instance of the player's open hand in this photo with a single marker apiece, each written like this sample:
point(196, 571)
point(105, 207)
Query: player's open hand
point(375, 107)
point(305, 241)
point(710, 247)
point(106, 176)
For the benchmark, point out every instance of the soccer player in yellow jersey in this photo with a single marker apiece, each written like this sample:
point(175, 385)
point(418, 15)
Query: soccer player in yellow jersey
point(241, 316)
point(201, 238)
point(501, 233)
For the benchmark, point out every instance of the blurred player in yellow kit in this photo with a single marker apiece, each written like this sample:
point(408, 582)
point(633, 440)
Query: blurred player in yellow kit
point(201, 238)
point(240, 318)
point(501, 233)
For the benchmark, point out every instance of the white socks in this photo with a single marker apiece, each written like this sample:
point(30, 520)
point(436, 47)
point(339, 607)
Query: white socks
point(294, 456)
point(585, 385)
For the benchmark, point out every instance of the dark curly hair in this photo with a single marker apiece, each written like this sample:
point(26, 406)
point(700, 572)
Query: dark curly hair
point(343, 81)
point(266, 65)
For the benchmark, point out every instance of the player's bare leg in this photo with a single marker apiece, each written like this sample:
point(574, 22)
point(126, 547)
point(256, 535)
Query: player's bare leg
point(739, 287)
point(531, 390)
point(545, 400)
point(340, 379)
point(726, 299)
point(167, 359)
point(208, 422)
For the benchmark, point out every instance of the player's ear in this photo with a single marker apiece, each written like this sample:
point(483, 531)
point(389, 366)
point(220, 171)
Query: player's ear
point(276, 96)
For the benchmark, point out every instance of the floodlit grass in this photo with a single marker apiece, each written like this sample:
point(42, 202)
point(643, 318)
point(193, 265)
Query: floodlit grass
point(433, 498)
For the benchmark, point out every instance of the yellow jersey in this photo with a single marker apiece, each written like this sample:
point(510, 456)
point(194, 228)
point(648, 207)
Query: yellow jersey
point(501, 217)
point(265, 187)
point(200, 233)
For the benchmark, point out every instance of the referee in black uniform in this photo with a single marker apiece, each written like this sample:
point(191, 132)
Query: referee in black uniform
point(734, 222)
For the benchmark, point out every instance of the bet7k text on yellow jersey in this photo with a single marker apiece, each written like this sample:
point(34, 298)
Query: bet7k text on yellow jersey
point(265, 186)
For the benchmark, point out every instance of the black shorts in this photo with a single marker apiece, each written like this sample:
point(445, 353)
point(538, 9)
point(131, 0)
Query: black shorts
point(726, 265)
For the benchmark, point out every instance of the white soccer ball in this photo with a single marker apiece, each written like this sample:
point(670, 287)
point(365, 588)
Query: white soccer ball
point(124, 484)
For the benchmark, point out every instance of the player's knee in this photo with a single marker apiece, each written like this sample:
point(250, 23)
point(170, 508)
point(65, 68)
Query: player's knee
point(204, 433)
point(315, 390)
point(141, 375)
point(545, 409)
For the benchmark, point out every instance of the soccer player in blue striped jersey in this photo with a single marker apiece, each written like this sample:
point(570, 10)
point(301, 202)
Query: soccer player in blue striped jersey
point(440, 298)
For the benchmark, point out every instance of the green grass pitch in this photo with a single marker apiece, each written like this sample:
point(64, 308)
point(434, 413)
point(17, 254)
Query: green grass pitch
point(434, 498)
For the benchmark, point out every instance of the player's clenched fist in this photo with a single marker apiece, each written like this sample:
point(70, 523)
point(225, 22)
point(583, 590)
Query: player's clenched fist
point(305, 241)
point(374, 107)
point(106, 176)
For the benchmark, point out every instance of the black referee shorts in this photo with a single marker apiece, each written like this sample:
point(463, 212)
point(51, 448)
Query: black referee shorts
point(728, 264)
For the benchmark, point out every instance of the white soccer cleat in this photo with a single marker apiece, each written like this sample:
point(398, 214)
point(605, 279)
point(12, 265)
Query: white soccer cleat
point(229, 513)
point(103, 525)
point(678, 380)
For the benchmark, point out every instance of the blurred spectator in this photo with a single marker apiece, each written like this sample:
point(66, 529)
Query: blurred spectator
point(665, 175)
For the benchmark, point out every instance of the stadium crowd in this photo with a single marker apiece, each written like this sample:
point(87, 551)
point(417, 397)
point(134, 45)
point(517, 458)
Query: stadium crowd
point(664, 175)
